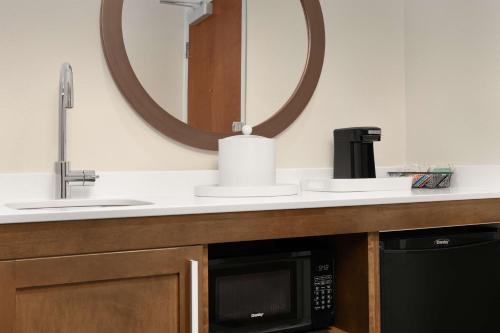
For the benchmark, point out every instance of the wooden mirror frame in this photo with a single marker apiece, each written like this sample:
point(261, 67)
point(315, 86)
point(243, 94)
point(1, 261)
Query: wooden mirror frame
point(133, 91)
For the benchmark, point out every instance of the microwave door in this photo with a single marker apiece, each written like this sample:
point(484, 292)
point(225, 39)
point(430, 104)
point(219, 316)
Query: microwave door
point(260, 297)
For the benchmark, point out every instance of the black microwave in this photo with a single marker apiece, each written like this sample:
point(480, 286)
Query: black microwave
point(291, 291)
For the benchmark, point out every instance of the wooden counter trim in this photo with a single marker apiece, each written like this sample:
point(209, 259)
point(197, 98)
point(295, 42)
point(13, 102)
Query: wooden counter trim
point(28, 240)
point(374, 283)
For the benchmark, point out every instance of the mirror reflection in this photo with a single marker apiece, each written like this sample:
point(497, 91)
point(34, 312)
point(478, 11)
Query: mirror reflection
point(213, 63)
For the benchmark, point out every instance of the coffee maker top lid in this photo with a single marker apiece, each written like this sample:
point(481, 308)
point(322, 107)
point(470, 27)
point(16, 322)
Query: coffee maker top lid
point(358, 134)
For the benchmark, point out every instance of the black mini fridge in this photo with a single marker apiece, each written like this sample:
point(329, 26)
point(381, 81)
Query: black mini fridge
point(441, 281)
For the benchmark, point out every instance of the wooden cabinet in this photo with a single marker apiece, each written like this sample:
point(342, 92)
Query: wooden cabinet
point(65, 289)
point(145, 291)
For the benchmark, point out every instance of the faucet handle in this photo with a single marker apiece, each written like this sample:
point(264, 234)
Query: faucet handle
point(89, 177)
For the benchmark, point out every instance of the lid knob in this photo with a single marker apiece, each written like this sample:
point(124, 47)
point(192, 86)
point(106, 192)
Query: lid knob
point(247, 130)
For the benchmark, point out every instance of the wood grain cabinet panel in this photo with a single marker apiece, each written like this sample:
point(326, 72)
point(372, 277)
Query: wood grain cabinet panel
point(127, 292)
point(358, 294)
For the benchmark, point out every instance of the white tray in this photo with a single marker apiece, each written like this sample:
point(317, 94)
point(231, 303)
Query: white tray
point(357, 185)
point(246, 191)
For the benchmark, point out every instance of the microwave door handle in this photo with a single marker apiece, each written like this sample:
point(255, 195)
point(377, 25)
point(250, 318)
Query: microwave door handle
point(194, 295)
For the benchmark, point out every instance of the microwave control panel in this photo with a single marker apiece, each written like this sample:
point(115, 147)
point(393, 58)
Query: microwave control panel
point(322, 288)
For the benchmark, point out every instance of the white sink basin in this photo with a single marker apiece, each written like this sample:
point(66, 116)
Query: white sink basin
point(77, 203)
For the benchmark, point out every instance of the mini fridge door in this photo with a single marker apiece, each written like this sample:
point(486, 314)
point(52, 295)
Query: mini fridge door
point(441, 282)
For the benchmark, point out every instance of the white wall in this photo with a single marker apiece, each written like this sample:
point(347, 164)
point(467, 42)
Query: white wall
point(453, 81)
point(362, 84)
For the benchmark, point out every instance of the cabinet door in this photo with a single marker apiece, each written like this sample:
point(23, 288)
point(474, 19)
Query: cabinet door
point(139, 291)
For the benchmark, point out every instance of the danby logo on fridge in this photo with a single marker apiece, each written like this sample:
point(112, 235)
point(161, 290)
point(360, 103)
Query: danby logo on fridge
point(442, 241)
point(257, 315)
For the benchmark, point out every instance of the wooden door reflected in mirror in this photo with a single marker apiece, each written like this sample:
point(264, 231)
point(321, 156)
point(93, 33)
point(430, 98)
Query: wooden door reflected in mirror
point(214, 75)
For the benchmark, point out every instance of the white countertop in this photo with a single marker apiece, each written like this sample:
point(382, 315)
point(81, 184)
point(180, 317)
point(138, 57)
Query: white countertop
point(171, 194)
point(188, 204)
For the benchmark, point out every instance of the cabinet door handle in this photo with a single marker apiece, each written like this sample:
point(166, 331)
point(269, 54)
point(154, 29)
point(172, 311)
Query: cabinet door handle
point(194, 296)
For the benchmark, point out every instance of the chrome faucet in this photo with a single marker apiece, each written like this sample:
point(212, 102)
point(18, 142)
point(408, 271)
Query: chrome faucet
point(65, 177)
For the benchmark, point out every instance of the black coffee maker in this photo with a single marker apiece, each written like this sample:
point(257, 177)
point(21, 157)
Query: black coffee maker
point(353, 152)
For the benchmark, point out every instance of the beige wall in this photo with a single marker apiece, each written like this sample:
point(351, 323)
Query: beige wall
point(453, 81)
point(362, 84)
point(276, 54)
point(154, 39)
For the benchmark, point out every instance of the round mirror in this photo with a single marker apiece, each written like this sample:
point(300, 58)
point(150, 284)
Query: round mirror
point(196, 70)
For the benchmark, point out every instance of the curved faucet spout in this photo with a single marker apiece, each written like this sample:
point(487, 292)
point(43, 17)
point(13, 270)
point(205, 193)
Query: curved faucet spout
point(66, 101)
point(64, 175)
point(66, 86)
